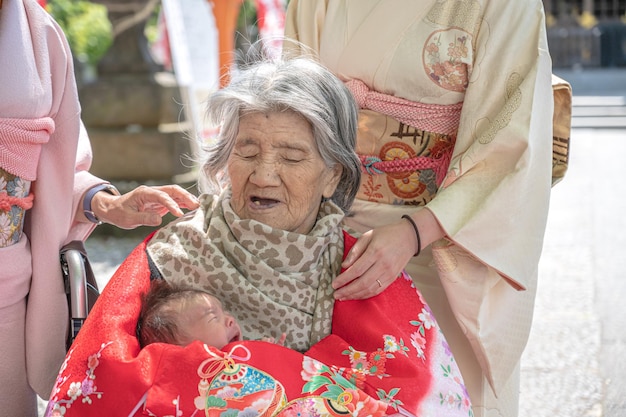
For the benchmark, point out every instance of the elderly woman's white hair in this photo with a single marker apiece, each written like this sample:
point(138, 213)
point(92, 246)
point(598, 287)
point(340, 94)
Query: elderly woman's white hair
point(300, 85)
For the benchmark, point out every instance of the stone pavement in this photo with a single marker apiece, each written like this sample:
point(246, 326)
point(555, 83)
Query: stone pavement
point(574, 363)
point(561, 367)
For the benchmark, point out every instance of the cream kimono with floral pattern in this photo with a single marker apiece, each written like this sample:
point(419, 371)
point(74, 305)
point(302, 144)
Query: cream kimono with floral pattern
point(491, 58)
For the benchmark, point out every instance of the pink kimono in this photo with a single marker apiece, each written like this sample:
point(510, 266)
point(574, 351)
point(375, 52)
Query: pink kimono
point(42, 141)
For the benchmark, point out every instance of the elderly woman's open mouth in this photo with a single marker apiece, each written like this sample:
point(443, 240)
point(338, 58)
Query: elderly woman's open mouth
point(260, 202)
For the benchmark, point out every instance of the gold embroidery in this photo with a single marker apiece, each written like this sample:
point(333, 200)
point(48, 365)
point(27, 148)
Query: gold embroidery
point(443, 256)
point(512, 102)
point(461, 14)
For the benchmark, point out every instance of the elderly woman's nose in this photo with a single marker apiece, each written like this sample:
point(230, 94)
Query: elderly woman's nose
point(266, 174)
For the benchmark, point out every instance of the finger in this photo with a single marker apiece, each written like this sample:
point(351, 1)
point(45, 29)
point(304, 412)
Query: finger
point(349, 275)
point(357, 250)
point(135, 219)
point(374, 281)
point(361, 289)
point(144, 206)
point(150, 219)
point(281, 340)
point(181, 196)
point(155, 208)
point(363, 286)
point(154, 198)
point(365, 261)
point(370, 288)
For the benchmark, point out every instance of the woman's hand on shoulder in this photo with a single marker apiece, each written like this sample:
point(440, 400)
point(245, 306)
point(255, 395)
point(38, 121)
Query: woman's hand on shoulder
point(378, 257)
point(375, 261)
point(143, 206)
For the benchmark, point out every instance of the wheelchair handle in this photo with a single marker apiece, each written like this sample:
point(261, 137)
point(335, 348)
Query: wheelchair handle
point(77, 279)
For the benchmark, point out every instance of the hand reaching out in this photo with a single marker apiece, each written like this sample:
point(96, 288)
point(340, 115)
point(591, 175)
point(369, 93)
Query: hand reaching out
point(143, 206)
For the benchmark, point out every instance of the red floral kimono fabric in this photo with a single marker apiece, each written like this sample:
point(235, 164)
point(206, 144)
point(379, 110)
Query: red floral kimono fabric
point(385, 355)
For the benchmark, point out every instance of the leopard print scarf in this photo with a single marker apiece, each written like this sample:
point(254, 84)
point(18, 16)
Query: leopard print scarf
point(271, 280)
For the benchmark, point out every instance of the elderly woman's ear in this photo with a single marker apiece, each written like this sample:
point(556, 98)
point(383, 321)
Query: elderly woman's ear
point(334, 176)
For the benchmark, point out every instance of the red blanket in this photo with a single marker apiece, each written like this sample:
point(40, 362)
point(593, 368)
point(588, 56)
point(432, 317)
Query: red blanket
point(385, 355)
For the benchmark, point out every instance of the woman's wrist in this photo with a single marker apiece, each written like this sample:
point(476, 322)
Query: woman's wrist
point(90, 206)
point(425, 227)
point(417, 233)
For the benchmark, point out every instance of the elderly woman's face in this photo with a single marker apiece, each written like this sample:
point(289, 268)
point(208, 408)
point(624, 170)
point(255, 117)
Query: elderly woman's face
point(277, 175)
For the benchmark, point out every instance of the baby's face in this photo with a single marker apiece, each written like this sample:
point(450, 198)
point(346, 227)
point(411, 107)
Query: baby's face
point(204, 319)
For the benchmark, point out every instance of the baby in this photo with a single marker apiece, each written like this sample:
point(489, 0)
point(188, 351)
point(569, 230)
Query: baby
point(179, 315)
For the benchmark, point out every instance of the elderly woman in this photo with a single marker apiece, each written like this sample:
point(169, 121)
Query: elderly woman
point(270, 242)
point(267, 240)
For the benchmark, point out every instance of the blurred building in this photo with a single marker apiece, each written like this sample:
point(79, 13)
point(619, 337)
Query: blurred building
point(587, 33)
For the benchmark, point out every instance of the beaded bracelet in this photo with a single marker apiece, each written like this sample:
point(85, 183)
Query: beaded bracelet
point(417, 233)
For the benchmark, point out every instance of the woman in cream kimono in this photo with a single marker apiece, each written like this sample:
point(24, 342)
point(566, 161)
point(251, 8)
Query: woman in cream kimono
point(455, 131)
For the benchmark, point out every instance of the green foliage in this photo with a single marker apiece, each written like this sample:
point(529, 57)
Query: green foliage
point(152, 25)
point(86, 26)
point(247, 14)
